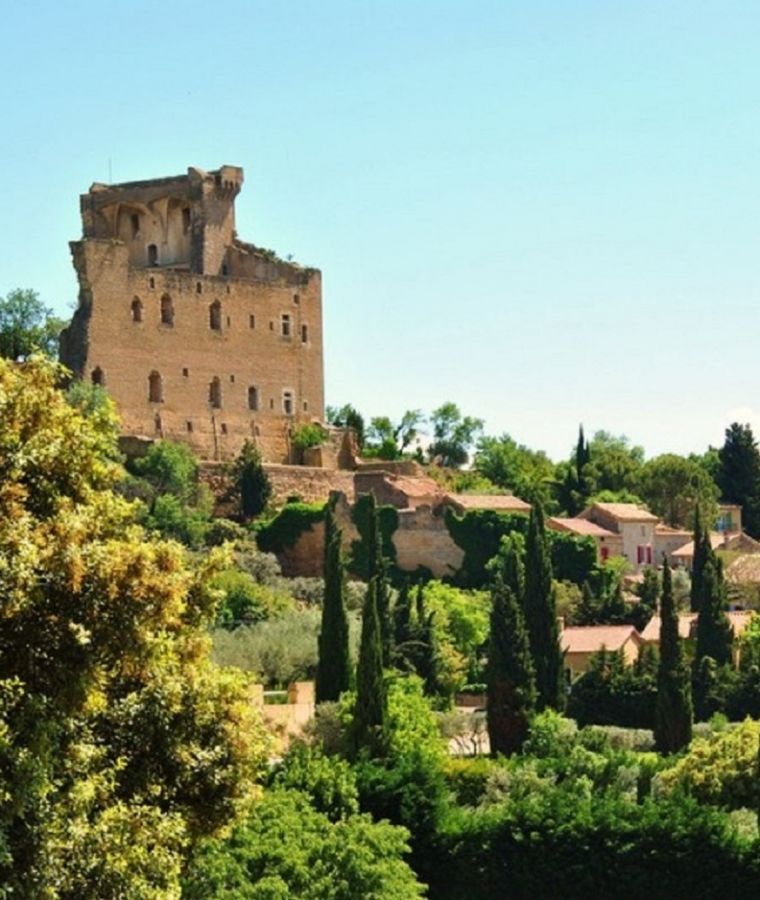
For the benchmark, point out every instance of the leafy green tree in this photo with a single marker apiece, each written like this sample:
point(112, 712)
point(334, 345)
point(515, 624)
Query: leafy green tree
point(541, 616)
point(453, 435)
point(526, 473)
point(738, 475)
point(613, 464)
point(27, 325)
point(121, 744)
point(286, 848)
point(673, 712)
point(371, 708)
point(250, 483)
point(672, 486)
point(391, 441)
point(334, 669)
point(714, 632)
point(169, 468)
point(510, 680)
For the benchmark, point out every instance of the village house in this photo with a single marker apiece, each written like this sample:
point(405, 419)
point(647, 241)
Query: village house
point(636, 527)
point(608, 543)
point(580, 643)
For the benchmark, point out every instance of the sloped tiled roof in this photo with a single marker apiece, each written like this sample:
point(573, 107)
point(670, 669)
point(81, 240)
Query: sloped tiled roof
point(497, 502)
point(625, 512)
point(687, 622)
point(687, 551)
point(591, 638)
point(580, 526)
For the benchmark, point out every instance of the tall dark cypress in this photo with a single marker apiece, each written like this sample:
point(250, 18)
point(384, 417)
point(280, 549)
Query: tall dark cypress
point(427, 658)
point(674, 712)
point(714, 632)
point(402, 625)
point(702, 550)
point(334, 665)
point(371, 708)
point(541, 615)
point(511, 689)
point(377, 570)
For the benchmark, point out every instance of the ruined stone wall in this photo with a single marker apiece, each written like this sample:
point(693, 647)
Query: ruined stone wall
point(250, 368)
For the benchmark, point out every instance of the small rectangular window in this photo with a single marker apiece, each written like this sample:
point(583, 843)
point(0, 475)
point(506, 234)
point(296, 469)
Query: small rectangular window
point(232, 379)
point(189, 426)
point(271, 326)
point(185, 372)
point(271, 403)
point(287, 402)
point(304, 334)
point(285, 324)
point(224, 428)
point(229, 321)
point(251, 321)
point(305, 406)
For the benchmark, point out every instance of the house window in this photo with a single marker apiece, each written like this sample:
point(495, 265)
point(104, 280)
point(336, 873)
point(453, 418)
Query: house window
point(287, 403)
point(98, 377)
point(253, 398)
point(215, 393)
point(215, 316)
point(285, 325)
point(137, 309)
point(167, 310)
point(152, 255)
point(186, 220)
point(134, 220)
point(304, 334)
point(251, 321)
point(155, 388)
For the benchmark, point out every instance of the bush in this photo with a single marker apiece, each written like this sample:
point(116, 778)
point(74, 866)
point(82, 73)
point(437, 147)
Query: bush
point(245, 602)
point(328, 781)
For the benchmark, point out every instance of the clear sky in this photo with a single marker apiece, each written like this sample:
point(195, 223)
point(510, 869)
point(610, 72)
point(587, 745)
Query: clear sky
point(547, 210)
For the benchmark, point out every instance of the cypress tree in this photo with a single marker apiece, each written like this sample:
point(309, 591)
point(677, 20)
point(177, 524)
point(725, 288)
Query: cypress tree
point(541, 615)
point(702, 551)
point(370, 712)
point(334, 666)
point(511, 689)
point(377, 570)
point(714, 632)
point(402, 623)
point(427, 649)
point(673, 711)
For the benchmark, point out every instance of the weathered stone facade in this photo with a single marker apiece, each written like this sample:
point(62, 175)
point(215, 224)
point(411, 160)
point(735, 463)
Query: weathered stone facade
point(196, 335)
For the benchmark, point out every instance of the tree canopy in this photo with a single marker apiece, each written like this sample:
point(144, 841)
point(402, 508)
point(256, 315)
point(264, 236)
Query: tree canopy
point(26, 325)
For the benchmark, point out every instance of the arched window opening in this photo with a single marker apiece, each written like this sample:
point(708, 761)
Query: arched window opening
point(215, 393)
point(155, 388)
point(98, 377)
point(134, 221)
point(137, 310)
point(215, 316)
point(253, 398)
point(167, 310)
point(152, 255)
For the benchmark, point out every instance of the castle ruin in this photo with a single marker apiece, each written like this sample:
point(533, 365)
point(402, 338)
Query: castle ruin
point(197, 336)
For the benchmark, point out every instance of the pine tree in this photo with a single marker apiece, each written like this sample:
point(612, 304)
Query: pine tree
point(371, 701)
point(738, 474)
point(334, 666)
point(510, 676)
point(673, 711)
point(714, 632)
point(250, 483)
point(541, 615)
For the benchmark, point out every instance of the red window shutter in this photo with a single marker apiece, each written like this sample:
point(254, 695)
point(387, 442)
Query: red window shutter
point(639, 554)
point(649, 554)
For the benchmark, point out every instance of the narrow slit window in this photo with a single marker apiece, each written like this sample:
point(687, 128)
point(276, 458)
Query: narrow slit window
point(252, 321)
point(253, 398)
point(185, 372)
point(189, 426)
point(215, 393)
point(285, 325)
point(287, 402)
point(186, 219)
point(167, 310)
point(304, 334)
point(152, 255)
point(224, 428)
point(155, 388)
point(137, 310)
point(215, 316)
point(134, 221)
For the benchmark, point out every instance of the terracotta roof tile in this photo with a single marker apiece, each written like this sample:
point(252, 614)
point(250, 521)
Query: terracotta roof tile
point(580, 526)
point(591, 638)
point(497, 502)
point(625, 512)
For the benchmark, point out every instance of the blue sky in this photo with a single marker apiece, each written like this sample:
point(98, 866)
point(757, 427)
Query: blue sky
point(544, 211)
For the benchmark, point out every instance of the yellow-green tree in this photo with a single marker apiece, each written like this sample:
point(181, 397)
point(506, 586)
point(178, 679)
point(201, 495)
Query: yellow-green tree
point(120, 743)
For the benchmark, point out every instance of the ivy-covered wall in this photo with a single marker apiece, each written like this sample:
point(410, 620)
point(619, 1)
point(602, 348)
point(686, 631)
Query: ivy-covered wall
point(284, 530)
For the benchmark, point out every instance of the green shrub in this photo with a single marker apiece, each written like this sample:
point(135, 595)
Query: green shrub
point(244, 601)
point(288, 525)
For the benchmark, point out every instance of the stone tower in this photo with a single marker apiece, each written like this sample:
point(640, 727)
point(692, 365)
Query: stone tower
point(196, 335)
